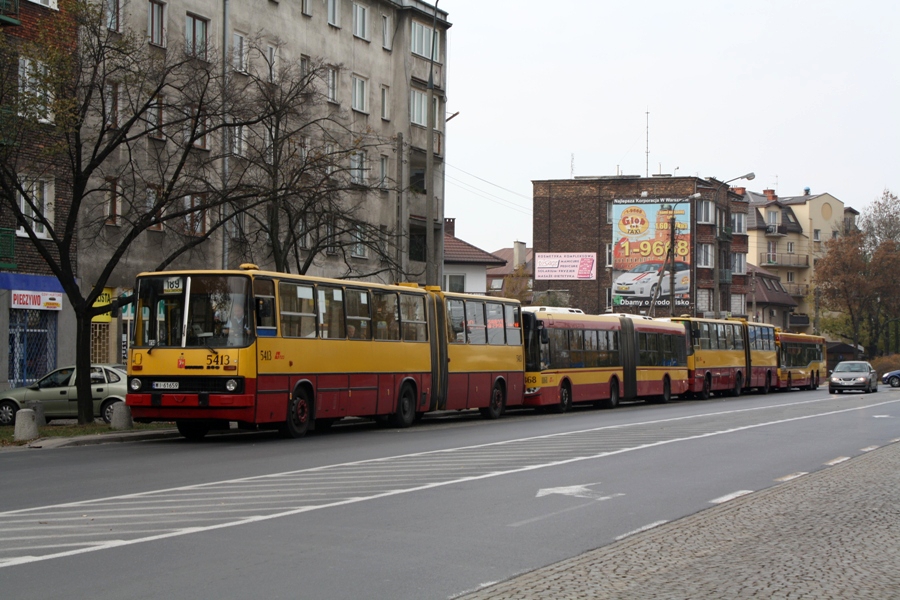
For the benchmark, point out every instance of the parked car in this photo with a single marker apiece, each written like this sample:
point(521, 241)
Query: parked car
point(891, 378)
point(642, 280)
point(57, 394)
point(853, 375)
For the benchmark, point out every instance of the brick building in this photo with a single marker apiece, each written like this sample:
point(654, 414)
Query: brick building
point(627, 221)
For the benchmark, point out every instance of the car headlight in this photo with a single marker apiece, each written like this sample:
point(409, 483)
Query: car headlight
point(860, 378)
point(135, 384)
point(835, 380)
point(231, 385)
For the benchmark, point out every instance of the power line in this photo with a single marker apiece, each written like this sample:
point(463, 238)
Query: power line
point(489, 182)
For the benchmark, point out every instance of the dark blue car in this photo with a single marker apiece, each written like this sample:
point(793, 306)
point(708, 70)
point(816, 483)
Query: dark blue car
point(891, 378)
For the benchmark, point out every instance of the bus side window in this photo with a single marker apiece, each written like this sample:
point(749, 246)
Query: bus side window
point(264, 290)
point(456, 321)
point(359, 322)
point(495, 327)
point(387, 316)
point(513, 325)
point(298, 310)
point(704, 336)
point(590, 348)
point(475, 322)
point(413, 318)
point(331, 312)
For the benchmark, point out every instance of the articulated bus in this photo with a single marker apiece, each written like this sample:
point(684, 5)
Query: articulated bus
point(801, 360)
point(290, 352)
point(572, 358)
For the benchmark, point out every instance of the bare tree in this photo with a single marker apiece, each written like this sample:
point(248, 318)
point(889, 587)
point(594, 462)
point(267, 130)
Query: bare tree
point(125, 131)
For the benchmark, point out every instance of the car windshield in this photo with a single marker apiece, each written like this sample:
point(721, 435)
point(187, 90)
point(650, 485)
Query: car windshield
point(852, 367)
point(650, 267)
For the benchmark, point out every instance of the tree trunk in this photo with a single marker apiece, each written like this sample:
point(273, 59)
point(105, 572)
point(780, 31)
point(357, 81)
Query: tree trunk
point(83, 367)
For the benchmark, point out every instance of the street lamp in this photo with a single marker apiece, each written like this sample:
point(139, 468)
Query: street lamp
point(717, 299)
point(671, 254)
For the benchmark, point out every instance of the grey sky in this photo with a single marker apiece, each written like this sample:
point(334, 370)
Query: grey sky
point(803, 93)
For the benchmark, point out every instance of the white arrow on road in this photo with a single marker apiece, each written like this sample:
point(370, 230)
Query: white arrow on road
point(576, 491)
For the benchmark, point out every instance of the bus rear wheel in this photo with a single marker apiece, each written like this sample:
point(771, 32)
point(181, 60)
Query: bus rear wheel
point(192, 430)
point(765, 389)
point(406, 408)
point(299, 415)
point(706, 392)
point(613, 400)
point(495, 408)
point(667, 391)
point(738, 385)
point(565, 399)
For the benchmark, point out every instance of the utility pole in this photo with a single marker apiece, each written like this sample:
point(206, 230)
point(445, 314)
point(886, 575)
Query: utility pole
point(431, 254)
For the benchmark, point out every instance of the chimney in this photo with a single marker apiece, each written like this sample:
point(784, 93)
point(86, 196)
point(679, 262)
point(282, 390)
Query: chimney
point(806, 191)
point(771, 196)
point(740, 191)
point(450, 226)
point(519, 254)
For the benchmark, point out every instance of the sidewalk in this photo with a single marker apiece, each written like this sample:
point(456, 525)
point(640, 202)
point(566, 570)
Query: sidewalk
point(90, 440)
point(832, 534)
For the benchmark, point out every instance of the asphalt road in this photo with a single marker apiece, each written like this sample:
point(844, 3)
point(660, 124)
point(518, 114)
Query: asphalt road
point(434, 511)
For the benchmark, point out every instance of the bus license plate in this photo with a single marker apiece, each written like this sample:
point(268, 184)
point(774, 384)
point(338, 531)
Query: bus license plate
point(165, 385)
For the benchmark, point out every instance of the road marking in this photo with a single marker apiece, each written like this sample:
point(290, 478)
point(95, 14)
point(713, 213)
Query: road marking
point(883, 417)
point(641, 530)
point(868, 448)
point(791, 476)
point(731, 496)
point(553, 514)
point(98, 505)
point(576, 491)
point(837, 461)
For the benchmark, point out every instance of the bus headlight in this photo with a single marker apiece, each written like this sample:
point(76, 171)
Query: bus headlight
point(231, 385)
point(135, 384)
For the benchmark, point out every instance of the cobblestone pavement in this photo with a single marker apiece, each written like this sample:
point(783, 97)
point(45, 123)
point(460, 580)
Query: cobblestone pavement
point(834, 533)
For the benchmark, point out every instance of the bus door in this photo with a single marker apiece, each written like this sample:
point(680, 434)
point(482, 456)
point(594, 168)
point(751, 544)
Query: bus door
point(437, 335)
point(628, 357)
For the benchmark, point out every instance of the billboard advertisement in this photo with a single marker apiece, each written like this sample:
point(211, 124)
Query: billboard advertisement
point(642, 235)
point(565, 266)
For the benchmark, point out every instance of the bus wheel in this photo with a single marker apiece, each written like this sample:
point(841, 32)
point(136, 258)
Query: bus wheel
point(565, 399)
point(789, 384)
point(765, 389)
point(738, 385)
point(667, 391)
point(495, 408)
point(613, 400)
point(192, 430)
point(406, 408)
point(706, 392)
point(298, 416)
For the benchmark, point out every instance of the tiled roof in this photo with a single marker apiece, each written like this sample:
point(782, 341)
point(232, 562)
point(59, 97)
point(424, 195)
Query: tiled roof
point(773, 294)
point(457, 251)
point(506, 254)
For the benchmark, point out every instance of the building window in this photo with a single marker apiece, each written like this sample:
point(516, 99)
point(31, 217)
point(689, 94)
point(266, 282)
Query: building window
point(738, 223)
point(48, 3)
point(153, 195)
point(239, 52)
point(386, 34)
point(37, 202)
point(111, 105)
point(817, 235)
point(359, 93)
point(418, 108)
point(705, 211)
point(422, 42)
point(834, 234)
point(771, 252)
point(197, 128)
point(790, 277)
point(156, 28)
point(790, 247)
point(331, 84)
point(272, 63)
point(329, 158)
point(155, 121)
point(195, 36)
point(738, 263)
point(113, 201)
point(360, 21)
point(330, 245)
point(334, 12)
point(609, 298)
point(385, 103)
point(35, 97)
point(238, 138)
point(268, 145)
point(705, 256)
point(609, 212)
point(112, 10)
point(383, 172)
point(772, 217)
point(457, 283)
point(358, 235)
point(358, 167)
point(195, 217)
point(304, 67)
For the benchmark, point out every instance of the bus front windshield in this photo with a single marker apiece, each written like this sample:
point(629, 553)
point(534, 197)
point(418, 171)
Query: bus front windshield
point(193, 311)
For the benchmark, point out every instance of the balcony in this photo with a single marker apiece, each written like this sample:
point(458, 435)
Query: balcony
point(796, 289)
point(776, 230)
point(724, 275)
point(9, 12)
point(723, 234)
point(8, 249)
point(419, 139)
point(787, 259)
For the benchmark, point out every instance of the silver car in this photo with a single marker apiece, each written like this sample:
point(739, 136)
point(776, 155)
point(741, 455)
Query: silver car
point(853, 375)
point(57, 394)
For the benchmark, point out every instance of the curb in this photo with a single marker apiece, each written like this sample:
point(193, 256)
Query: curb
point(103, 438)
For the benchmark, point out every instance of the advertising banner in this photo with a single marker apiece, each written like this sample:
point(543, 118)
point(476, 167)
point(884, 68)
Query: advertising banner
point(36, 300)
point(642, 236)
point(563, 266)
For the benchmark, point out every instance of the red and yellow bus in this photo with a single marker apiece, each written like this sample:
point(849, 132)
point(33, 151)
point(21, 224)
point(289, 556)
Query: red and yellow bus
point(574, 358)
point(762, 356)
point(274, 350)
point(717, 357)
point(801, 360)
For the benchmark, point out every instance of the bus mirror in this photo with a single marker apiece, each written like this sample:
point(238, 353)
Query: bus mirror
point(545, 336)
point(118, 303)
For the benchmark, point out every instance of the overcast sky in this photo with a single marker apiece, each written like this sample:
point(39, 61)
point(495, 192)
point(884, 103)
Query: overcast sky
point(803, 93)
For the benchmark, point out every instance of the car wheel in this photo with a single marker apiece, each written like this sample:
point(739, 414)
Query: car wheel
point(106, 410)
point(8, 410)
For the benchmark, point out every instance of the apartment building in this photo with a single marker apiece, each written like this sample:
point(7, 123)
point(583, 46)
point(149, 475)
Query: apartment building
point(786, 235)
point(373, 60)
point(628, 223)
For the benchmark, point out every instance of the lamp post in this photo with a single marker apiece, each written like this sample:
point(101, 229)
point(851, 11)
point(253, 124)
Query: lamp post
point(717, 299)
point(671, 254)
